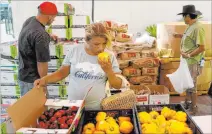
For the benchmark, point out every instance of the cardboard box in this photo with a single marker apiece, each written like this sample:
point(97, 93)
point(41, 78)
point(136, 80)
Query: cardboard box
point(9, 77)
point(65, 8)
point(79, 20)
point(9, 99)
point(159, 99)
point(6, 126)
point(55, 51)
point(170, 65)
point(205, 76)
point(4, 110)
point(76, 33)
point(165, 39)
point(6, 62)
point(10, 51)
point(41, 131)
point(55, 91)
point(62, 33)
point(54, 63)
point(60, 21)
point(204, 86)
point(152, 52)
point(10, 90)
point(164, 80)
point(141, 99)
point(25, 112)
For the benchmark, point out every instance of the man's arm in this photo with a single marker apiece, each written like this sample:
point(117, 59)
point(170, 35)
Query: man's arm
point(197, 51)
point(42, 68)
point(42, 53)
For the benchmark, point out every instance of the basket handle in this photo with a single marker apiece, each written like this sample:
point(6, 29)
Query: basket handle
point(125, 85)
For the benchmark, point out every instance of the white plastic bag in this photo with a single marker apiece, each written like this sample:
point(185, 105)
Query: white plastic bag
point(181, 79)
point(145, 40)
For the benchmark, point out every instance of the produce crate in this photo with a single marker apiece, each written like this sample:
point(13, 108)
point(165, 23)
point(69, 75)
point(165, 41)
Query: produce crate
point(176, 107)
point(90, 115)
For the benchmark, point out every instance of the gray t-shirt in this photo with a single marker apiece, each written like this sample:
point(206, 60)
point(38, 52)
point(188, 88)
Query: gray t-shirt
point(85, 72)
point(33, 47)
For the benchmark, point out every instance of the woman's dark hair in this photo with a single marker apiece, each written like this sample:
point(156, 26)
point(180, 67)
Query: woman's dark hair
point(192, 16)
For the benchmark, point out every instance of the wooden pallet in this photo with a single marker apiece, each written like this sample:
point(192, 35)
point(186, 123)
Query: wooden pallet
point(199, 93)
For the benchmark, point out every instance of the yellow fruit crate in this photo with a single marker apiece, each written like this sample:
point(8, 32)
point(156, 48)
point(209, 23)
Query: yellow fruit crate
point(176, 107)
point(89, 116)
point(204, 86)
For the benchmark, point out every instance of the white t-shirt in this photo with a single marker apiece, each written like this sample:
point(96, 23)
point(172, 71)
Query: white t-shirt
point(85, 72)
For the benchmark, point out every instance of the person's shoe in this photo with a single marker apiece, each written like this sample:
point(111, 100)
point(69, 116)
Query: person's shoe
point(193, 110)
point(186, 104)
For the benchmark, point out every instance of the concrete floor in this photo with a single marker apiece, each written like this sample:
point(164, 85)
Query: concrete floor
point(204, 104)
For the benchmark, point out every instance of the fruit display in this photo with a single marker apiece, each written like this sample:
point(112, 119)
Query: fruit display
point(57, 118)
point(167, 121)
point(108, 123)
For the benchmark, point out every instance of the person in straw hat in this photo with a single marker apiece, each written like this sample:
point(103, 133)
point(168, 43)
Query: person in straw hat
point(192, 49)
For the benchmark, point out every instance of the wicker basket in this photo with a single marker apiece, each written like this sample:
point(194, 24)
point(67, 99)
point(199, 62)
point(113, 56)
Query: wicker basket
point(123, 100)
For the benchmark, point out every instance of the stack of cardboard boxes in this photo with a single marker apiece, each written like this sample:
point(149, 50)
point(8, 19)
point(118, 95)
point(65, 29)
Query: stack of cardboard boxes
point(139, 65)
point(68, 28)
point(169, 47)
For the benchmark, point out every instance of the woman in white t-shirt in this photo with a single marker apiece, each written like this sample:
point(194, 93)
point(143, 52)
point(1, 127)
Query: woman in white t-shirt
point(86, 70)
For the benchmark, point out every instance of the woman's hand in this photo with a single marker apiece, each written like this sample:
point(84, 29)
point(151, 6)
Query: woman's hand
point(106, 66)
point(40, 83)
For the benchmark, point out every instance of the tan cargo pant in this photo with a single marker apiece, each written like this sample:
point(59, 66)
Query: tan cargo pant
point(195, 71)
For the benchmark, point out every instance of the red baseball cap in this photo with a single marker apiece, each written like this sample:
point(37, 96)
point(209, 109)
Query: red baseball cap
point(48, 8)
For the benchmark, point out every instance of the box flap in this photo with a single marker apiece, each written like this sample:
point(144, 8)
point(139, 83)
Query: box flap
point(66, 103)
point(27, 109)
point(158, 88)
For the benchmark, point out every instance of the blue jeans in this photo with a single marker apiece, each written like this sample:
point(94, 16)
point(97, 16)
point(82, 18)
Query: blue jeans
point(25, 87)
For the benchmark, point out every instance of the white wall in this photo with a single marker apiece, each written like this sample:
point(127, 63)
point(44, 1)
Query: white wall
point(139, 14)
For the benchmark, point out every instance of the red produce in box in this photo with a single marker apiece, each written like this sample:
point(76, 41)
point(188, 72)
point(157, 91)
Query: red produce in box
point(69, 122)
point(48, 124)
point(70, 117)
point(73, 114)
point(63, 126)
point(68, 112)
point(51, 114)
point(62, 112)
point(42, 125)
point(53, 126)
point(61, 120)
point(74, 108)
point(46, 113)
point(58, 114)
point(65, 117)
point(53, 119)
point(43, 118)
point(52, 110)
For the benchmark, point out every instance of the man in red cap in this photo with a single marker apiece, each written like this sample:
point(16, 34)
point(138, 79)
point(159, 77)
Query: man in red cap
point(33, 44)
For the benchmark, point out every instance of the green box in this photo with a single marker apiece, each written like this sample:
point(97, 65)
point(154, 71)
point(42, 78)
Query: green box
point(13, 51)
